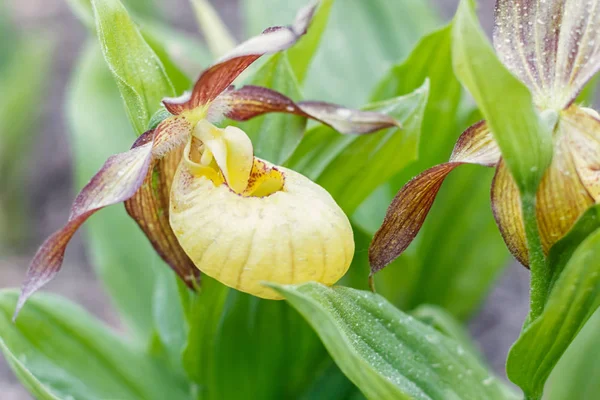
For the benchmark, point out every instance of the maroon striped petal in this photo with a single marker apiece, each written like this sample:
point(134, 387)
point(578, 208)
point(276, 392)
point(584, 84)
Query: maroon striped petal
point(408, 210)
point(118, 179)
point(149, 207)
point(252, 101)
point(216, 79)
point(553, 46)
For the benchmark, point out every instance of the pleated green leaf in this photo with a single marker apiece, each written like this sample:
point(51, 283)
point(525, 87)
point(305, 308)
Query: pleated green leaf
point(235, 337)
point(573, 299)
point(140, 75)
point(577, 374)
point(27, 379)
point(60, 351)
point(24, 77)
point(388, 354)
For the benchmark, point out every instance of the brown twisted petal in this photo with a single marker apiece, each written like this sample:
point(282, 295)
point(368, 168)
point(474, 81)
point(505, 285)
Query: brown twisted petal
point(553, 46)
point(252, 101)
point(118, 180)
point(213, 81)
point(561, 199)
point(149, 207)
point(408, 210)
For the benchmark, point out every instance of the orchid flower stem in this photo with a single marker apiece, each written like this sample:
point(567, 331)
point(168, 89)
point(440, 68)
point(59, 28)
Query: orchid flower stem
point(540, 277)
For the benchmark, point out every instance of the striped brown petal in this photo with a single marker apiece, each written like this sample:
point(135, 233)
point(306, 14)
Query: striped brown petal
point(553, 46)
point(149, 207)
point(408, 210)
point(216, 79)
point(506, 207)
point(561, 199)
point(118, 179)
point(252, 101)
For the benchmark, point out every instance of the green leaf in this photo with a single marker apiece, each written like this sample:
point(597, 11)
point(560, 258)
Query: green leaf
point(139, 73)
point(523, 137)
point(182, 55)
point(83, 9)
point(333, 160)
point(430, 59)
point(573, 299)
point(121, 254)
point(275, 136)
point(444, 322)
point(302, 53)
point(171, 46)
point(161, 39)
point(62, 350)
point(563, 250)
point(31, 383)
point(361, 40)
point(23, 82)
point(332, 384)
point(387, 354)
point(23, 79)
point(239, 338)
point(577, 374)
point(203, 312)
point(170, 319)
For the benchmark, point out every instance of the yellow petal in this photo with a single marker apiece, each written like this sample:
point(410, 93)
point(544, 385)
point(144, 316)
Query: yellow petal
point(295, 235)
point(232, 150)
point(193, 161)
point(263, 180)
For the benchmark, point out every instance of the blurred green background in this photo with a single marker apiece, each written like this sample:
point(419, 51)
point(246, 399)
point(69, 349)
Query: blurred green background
point(40, 43)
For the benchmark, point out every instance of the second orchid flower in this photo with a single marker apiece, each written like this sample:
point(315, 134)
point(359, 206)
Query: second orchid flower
point(553, 47)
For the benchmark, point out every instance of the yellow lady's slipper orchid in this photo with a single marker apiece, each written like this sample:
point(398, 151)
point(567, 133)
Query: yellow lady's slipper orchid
point(553, 46)
point(206, 203)
point(267, 224)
